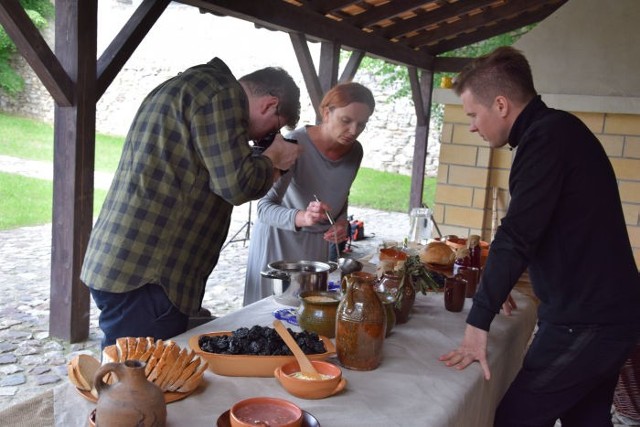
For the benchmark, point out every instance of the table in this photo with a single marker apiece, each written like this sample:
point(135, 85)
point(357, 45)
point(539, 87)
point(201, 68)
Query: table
point(411, 387)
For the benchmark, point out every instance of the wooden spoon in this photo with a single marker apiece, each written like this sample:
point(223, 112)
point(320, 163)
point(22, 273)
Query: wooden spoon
point(306, 367)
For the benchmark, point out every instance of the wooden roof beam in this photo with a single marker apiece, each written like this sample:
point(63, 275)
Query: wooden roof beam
point(352, 66)
point(290, 18)
point(328, 6)
point(126, 41)
point(385, 11)
point(37, 52)
point(514, 11)
point(494, 30)
point(308, 69)
point(434, 17)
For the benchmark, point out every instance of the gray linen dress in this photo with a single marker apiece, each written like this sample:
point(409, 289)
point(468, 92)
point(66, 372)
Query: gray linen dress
point(274, 236)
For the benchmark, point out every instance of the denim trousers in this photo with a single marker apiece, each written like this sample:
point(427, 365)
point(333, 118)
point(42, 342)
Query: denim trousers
point(143, 312)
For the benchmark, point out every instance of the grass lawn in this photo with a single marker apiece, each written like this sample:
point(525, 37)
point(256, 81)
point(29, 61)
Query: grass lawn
point(27, 201)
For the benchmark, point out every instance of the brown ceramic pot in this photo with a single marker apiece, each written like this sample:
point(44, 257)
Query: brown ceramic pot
point(360, 324)
point(132, 400)
point(317, 312)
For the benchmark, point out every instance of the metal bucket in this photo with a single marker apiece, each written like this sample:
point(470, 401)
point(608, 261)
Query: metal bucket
point(289, 278)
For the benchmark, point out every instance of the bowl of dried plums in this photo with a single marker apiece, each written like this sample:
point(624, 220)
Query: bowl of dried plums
point(255, 351)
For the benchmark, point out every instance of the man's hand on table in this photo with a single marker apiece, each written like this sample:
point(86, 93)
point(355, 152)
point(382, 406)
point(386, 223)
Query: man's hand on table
point(473, 347)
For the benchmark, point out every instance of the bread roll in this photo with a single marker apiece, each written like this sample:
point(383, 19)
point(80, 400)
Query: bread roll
point(437, 253)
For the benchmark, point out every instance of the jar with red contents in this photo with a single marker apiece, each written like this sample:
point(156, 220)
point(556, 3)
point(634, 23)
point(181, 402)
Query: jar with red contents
point(475, 251)
point(463, 259)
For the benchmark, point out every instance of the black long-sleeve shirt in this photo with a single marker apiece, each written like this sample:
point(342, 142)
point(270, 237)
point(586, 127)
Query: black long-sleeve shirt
point(565, 223)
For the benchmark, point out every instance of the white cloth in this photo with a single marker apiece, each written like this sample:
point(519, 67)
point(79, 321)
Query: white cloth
point(410, 388)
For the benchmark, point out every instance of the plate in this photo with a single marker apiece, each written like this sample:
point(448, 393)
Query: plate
point(241, 365)
point(308, 420)
point(169, 396)
point(287, 315)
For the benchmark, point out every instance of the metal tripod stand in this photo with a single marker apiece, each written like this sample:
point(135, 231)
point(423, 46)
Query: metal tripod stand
point(247, 231)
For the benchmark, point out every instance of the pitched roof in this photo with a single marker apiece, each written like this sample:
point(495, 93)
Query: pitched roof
point(410, 32)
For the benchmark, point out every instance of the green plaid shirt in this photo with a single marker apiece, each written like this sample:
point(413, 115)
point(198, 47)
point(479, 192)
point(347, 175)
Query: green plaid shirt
point(185, 163)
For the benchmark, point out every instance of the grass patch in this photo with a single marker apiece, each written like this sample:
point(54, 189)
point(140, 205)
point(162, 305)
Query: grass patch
point(28, 201)
point(32, 139)
point(387, 191)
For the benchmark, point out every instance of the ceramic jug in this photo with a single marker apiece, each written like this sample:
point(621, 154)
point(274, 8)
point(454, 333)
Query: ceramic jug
point(404, 296)
point(132, 400)
point(360, 324)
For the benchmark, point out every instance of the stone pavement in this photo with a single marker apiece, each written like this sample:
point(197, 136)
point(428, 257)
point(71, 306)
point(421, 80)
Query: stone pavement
point(31, 361)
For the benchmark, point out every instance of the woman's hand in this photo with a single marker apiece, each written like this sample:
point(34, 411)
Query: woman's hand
point(337, 232)
point(314, 214)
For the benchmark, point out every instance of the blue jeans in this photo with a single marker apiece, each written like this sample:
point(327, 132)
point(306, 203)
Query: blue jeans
point(144, 312)
point(569, 373)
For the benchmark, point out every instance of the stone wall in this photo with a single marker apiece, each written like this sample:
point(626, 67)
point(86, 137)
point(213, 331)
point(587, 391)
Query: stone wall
point(389, 136)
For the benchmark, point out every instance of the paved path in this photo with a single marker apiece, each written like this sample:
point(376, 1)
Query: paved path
point(31, 361)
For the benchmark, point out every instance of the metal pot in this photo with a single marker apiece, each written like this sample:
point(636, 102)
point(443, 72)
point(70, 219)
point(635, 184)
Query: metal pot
point(289, 278)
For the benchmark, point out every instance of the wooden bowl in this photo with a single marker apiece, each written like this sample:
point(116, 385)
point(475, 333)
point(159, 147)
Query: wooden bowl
point(265, 411)
point(308, 388)
point(250, 366)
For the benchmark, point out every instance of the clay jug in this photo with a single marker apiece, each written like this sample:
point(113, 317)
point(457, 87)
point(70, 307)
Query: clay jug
point(387, 296)
point(403, 291)
point(360, 324)
point(132, 400)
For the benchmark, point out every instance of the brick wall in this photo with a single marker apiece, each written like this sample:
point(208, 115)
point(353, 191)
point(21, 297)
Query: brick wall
point(469, 172)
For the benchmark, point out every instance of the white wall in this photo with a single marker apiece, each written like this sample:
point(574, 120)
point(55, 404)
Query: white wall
point(587, 47)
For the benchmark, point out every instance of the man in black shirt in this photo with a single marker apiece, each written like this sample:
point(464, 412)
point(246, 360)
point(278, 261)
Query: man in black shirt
point(565, 224)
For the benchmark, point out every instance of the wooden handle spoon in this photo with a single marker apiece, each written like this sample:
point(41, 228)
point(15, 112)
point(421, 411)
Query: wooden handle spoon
point(306, 367)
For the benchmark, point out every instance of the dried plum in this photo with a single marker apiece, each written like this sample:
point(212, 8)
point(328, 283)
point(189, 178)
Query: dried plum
point(259, 340)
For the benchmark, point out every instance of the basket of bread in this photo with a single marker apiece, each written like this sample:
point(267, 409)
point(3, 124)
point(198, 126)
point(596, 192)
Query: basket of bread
point(176, 371)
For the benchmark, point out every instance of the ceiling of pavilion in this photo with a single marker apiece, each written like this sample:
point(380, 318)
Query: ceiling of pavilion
point(410, 32)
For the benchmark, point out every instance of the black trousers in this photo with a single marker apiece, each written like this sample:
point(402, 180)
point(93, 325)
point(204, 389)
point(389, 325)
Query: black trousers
point(144, 312)
point(569, 373)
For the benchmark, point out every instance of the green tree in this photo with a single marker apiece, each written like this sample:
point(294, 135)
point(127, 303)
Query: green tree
point(39, 11)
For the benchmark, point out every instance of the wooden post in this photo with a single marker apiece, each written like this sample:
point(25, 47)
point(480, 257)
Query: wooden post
point(421, 89)
point(73, 158)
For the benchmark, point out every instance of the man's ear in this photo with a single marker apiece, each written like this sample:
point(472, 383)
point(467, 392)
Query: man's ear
point(502, 105)
point(268, 102)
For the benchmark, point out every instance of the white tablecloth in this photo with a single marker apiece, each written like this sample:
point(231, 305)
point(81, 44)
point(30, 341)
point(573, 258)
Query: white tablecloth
point(410, 388)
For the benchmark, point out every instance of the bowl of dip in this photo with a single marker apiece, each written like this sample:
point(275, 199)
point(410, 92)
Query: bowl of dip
point(299, 385)
point(268, 411)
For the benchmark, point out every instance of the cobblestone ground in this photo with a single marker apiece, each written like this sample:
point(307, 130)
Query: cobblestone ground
point(31, 361)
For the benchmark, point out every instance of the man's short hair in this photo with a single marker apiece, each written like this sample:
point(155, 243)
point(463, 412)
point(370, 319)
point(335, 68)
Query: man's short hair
point(275, 81)
point(505, 71)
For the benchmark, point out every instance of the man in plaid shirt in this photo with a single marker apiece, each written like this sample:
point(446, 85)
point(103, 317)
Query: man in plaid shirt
point(186, 162)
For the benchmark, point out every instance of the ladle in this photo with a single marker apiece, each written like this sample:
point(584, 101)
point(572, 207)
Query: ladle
point(306, 367)
point(349, 265)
